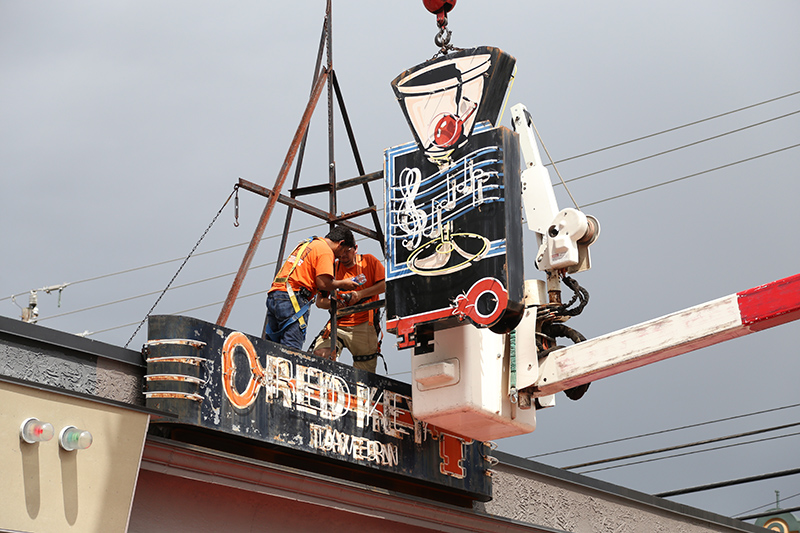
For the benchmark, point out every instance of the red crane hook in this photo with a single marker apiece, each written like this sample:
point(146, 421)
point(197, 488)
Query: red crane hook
point(440, 8)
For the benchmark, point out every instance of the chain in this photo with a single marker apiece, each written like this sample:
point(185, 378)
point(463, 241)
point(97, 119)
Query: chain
point(235, 191)
point(442, 39)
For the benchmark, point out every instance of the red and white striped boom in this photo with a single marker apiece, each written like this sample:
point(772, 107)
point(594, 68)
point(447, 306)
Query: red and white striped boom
point(733, 316)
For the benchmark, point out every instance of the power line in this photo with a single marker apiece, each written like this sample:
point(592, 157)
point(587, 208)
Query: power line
point(699, 424)
point(681, 446)
point(677, 127)
point(319, 225)
point(160, 263)
point(768, 513)
point(143, 267)
point(680, 147)
point(122, 300)
point(173, 313)
point(589, 204)
point(767, 505)
point(691, 453)
point(586, 205)
point(729, 483)
point(573, 179)
point(669, 182)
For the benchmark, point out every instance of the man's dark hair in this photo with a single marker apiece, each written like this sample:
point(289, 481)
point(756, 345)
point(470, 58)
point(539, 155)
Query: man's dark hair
point(339, 234)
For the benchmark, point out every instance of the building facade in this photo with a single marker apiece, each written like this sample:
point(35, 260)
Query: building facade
point(135, 477)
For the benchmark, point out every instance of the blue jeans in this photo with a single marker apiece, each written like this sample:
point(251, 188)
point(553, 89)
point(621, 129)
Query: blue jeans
point(279, 308)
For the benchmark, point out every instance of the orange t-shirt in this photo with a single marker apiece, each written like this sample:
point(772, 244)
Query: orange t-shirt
point(373, 270)
point(317, 259)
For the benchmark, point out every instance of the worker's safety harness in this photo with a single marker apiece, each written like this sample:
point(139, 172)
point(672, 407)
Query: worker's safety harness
point(299, 254)
point(375, 320)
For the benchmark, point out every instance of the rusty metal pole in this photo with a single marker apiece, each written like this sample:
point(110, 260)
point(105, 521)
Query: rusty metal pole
point(359, 165)
point(332, 207)
point(273, 199)
point(300, 155)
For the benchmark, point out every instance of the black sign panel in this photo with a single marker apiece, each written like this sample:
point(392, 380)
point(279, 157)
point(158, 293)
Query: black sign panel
point(454, 236)
point(227, 381)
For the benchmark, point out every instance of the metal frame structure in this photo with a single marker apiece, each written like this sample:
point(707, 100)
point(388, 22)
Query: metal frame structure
point(322, 76)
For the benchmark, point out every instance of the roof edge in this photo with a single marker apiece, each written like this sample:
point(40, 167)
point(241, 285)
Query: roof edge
point(621, 492)
point(60, 339)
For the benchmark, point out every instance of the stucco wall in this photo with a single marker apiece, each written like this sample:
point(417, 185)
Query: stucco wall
point(60, 364)
point(594, 507)
point(48, 367)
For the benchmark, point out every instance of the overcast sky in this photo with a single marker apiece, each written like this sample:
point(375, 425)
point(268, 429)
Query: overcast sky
point(125, 125)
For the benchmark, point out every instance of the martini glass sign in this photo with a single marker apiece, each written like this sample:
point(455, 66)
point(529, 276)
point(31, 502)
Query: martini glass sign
point(440, 101)
point(448, 195)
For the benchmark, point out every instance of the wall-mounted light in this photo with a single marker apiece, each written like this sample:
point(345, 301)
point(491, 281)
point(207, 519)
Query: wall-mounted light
point(33, 430)
point(72, 438)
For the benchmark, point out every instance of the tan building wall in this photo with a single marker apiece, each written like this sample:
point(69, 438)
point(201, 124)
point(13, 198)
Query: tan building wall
point(47, 489)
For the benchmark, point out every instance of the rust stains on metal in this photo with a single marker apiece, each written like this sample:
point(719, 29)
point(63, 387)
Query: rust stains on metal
point(273, 199)
point(187, 342)
point(178, 359)
point(174, 395)
point(313, 211)
point(175, 377)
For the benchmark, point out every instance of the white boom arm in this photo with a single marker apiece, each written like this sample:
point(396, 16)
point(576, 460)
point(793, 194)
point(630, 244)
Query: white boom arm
point(563, 236)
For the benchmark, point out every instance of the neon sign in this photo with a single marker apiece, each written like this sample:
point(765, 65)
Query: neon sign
point(453, 201)
point(233, 383)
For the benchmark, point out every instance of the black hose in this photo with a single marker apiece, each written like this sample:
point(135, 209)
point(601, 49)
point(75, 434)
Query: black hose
point(556, 330)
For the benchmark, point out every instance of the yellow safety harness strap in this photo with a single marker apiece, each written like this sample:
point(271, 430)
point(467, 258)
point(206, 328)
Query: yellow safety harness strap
point(298, 257)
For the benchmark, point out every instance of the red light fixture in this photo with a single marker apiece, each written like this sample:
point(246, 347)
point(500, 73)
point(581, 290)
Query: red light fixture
point(33, 430)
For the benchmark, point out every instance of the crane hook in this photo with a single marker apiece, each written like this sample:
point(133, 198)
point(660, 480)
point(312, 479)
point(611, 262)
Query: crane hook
point(440, 8)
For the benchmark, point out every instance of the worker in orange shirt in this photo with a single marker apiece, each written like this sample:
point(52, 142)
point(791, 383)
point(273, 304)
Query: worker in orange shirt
point(357, 332)
point(308, 269)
